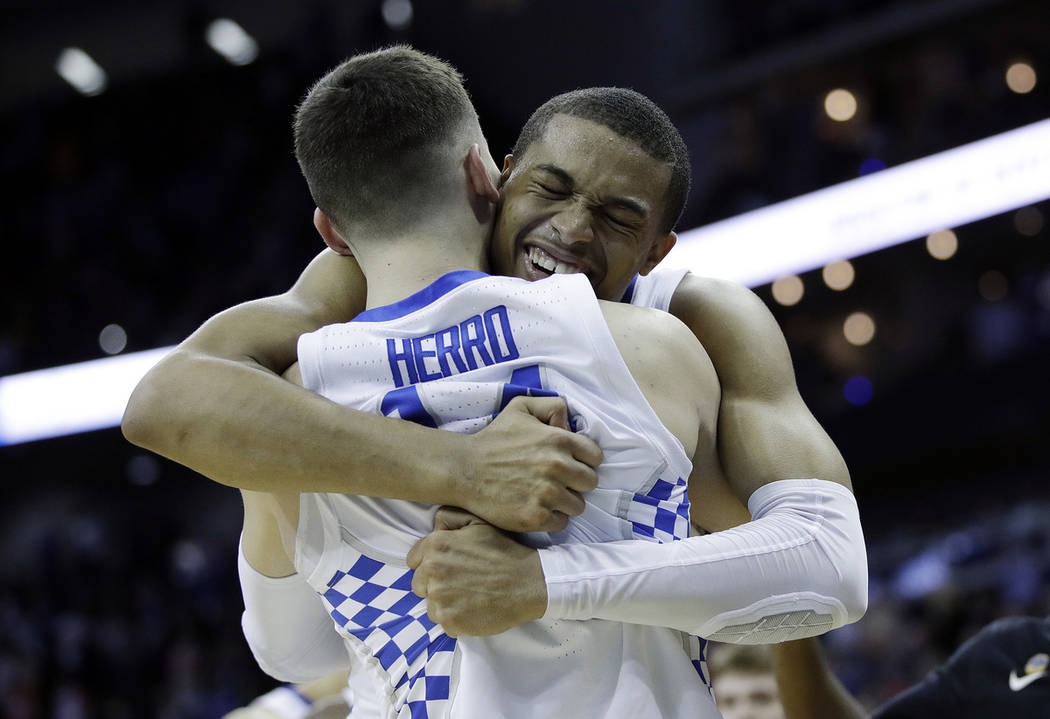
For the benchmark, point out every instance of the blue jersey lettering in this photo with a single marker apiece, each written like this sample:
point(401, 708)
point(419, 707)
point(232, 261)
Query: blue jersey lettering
point(403, 355)
point(478, 341)
point(472, 335)
point(497, 325)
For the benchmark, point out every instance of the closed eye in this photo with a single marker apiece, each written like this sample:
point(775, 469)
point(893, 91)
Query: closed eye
point(619, 222)
point(550, 190)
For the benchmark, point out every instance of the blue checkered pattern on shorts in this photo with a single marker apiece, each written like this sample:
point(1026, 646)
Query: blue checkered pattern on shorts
point(662, 513)
point(697, 649)
point(373, 603)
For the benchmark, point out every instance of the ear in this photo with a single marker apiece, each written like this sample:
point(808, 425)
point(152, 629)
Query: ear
point(478, 175)
point(657, 252)
point(508, 167)
point(331, 236)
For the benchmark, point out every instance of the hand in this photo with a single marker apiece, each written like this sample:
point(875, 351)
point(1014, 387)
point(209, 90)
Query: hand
point(527, 469)
point(476, 579)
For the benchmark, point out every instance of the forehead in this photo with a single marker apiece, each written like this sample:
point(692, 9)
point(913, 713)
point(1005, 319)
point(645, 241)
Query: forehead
point(599, 160)
point(739, 683)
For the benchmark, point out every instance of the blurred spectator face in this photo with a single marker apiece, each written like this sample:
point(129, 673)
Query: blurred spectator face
point(743, 695)
point(586, 199)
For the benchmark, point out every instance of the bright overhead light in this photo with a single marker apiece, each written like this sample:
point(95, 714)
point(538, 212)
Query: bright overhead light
point(942, 244)
point(1020, 78)
point(231, 41)
point(397, 14)
point(112, 339)
point(788, 290)
point(841, 105)
point(81, 71)
point(859, 328)
point(838, 275)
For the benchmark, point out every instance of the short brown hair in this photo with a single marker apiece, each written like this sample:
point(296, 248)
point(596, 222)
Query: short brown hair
point(368, 133)
point(741, 658)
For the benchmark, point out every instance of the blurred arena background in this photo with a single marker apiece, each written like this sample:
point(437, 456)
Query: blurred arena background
point(155, 186)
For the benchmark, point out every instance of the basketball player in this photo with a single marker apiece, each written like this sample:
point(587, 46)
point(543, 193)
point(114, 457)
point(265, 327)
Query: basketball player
point(217, 403)
point(589, 214)
point(349, 548)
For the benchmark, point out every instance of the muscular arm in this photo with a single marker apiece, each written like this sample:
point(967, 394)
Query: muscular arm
point(796, 570)
point(218, 405)
point(765, 431)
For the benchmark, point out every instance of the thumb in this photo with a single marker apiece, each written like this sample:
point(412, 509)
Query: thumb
point(455, 518)
point(415, 555)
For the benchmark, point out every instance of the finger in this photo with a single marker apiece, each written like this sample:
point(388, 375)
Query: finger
point(415, 555)
point(549, 410)
point(558, 521)
point(585, 450)
point(419, 583)
point(569, 503)
point(578, 477)
point(455, 518)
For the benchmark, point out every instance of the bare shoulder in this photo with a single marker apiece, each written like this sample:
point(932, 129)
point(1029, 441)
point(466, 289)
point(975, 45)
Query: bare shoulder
point(652, 328)
point(670, 366)
point(739, 332)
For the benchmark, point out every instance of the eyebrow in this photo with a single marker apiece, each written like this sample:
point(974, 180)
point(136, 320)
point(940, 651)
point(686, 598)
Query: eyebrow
point(625, 203)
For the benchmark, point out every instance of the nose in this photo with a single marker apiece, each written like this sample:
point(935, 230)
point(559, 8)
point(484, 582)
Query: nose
point(574, 223)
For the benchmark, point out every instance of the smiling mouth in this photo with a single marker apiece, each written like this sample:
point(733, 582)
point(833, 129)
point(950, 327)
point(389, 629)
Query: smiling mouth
point(539, 263)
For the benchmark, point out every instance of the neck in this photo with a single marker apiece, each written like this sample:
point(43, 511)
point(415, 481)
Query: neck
point(398, 267)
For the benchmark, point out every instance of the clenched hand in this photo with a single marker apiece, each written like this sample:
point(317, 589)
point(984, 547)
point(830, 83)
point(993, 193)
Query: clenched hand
point(476, 579)
point(526, 470)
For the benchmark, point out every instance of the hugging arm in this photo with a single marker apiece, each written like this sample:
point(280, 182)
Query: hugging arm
point(218, 405)
point(797, 569)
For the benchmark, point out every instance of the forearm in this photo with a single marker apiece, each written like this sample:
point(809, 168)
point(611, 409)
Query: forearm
point(245, 427)
point(801, 559)
point(287, 628)
point(808, 687)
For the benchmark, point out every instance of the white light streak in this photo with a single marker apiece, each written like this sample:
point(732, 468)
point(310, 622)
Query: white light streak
point(870, 213)
point(72, 398)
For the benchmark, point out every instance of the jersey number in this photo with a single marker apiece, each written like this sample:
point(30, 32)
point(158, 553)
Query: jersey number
point(405, 401)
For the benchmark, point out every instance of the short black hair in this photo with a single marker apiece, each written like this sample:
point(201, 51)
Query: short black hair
point(634, 117)
point(743, 658)
point(365, 132)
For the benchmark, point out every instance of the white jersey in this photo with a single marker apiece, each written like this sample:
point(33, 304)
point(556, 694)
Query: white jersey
point(654, 289)
point(452, 356)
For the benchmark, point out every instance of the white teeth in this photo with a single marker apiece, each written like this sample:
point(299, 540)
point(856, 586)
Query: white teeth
point(541, 259)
